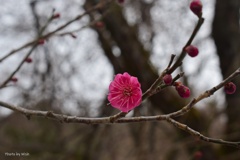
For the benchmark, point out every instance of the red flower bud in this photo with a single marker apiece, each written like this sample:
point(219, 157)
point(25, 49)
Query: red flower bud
point(167, 79)
point(55, 16)
point(41, 41)
point(28, 60)
point(183, 91)
point(230, 88)
point(121, 1)
point(198, 155)
point(99, 24)
point(14, 79)
point(196, 7)
point(191, 50)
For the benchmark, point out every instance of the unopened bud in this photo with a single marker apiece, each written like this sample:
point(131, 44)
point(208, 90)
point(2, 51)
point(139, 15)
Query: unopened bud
point(28, 60)
point(14, 79)
point(41, 41)
point(198, 155)
point(99, 24)
point(230, 88)
point(196, 7)
point(183, 91)
point(55, 16)
point(167, 79)
point(121, 1)
point(191, 50)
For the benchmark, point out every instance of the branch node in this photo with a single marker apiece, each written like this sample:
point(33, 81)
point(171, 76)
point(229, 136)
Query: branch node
point(49, 114)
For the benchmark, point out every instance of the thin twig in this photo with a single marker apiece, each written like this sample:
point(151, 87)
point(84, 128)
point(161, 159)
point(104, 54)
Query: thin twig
point(183, 53)
point(18, 68)
point(171, 60)
point(200, 136)
point(204, 95)
point(48, 35)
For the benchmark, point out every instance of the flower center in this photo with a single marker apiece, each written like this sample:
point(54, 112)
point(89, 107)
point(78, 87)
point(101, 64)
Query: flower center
point(127, 91)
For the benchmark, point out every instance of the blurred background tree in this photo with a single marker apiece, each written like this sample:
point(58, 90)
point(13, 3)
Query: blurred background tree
point(70, 74)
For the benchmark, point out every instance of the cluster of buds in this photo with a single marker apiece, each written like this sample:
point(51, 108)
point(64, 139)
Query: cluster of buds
point(182, 90)
point(125, 91)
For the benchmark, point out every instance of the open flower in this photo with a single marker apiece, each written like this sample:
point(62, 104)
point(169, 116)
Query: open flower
point(125, 92)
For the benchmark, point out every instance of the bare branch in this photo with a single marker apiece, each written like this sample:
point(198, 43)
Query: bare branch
point(183, 53)
point(48, 35)
point(200, 136)
point(204, 95)
point(18, 68)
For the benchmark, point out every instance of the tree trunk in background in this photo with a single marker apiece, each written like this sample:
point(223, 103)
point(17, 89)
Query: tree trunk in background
point(226, 34)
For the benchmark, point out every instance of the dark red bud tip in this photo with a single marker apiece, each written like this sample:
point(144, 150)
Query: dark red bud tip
point(121, 1)
point(99, 24)
point(198, 155)
point(14, 79)
point(55, 16)
point(183, 91)
point(230, 88)
point(167, 79)
point(196, 7)
point(28, 60)
point(41, 41)
point(191, 50)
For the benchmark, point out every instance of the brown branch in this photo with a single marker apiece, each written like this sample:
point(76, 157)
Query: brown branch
point(118, 117)
point(183, 53)
point(113, 119)
point(86, 120)
point(200, 136)
point(92, 23)
point(204, 95)
point(18, 68)
point(158, 81)
point(104, 120)
point(48, 35)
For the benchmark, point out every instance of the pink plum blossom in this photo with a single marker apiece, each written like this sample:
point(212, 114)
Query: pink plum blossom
point(125, 92)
